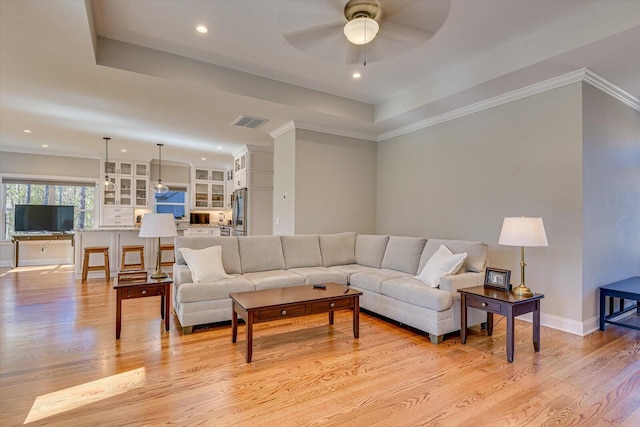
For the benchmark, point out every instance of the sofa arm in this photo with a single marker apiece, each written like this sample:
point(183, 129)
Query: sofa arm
point(181, 274)
point(453, 282)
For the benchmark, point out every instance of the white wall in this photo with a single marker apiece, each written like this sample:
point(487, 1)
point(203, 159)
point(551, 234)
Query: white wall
point(284, 183)
point(335, 184)
point(36, 164)
point(459, 179)
point(611, 194)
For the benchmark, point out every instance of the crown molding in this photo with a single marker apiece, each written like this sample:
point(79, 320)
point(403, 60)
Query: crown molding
point(610, 89)
point(290, 125)
point(581, 75)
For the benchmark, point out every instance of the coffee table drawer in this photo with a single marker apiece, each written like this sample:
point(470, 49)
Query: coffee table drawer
point(486, 305)
point(143, 291)
point(281, 313)
point(324, 306)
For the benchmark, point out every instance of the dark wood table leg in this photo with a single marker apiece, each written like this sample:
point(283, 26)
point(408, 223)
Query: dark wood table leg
point(234, 322)
point(249, 336)
point(356, 317)
point(603, 298)
point(331, 317)
point(463, 318)
point(536, 327)
point(162, 305)
point(489, 324)
point(118, 313)
point(510, 333)
point(166, 299)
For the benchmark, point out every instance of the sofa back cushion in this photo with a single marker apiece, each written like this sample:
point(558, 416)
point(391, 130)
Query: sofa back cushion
point(302, 250)
point(370, 249)
point(403, 254)
point(476, 253)
point(261, 253)
point(338, 249)
point(230, 252)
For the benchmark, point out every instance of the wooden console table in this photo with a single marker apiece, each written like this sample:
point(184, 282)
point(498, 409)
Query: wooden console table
point(504, 303)
point(17, 238)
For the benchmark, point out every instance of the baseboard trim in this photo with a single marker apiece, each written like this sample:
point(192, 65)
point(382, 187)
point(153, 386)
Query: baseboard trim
point(563, 324)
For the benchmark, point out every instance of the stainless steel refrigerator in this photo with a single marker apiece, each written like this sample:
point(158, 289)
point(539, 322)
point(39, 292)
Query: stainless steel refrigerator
point(239, 209)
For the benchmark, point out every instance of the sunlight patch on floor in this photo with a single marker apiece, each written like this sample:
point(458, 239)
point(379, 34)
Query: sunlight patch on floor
point(58, 402)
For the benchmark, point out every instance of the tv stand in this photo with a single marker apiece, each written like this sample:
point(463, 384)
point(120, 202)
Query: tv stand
point(17, 238)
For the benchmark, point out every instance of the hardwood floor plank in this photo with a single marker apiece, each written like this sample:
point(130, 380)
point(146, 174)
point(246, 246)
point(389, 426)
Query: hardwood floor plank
point(60, 364)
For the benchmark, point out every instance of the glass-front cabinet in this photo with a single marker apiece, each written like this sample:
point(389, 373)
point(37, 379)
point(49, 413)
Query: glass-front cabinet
point(131, 180)
point(208, 188)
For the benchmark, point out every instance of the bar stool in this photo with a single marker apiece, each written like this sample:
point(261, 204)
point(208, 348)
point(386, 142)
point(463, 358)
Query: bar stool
point(86, 268)
point(132, 248)
point(164, 247)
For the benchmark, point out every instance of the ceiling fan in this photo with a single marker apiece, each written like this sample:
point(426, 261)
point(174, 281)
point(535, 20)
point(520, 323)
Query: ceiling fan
point(357, 30)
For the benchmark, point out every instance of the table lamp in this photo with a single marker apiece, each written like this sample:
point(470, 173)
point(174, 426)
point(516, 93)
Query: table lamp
point(158, 225)
point(523, 231)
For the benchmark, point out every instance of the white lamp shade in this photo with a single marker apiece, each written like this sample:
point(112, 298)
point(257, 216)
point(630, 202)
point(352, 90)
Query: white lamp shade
point(361, 30)
point(158, 225)
point(523, 231)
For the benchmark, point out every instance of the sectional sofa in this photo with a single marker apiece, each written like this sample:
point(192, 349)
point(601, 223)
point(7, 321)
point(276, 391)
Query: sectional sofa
point(382, 267)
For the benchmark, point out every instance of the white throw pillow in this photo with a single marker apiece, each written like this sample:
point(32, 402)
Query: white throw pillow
point(443, 262)
point(205, 264)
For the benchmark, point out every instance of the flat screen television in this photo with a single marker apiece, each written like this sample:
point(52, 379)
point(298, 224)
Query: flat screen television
point(43, 218)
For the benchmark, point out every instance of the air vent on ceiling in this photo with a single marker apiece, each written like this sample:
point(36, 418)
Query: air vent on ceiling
point(248, 122)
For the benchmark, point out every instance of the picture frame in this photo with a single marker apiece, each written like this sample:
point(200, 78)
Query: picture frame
point(497, 278)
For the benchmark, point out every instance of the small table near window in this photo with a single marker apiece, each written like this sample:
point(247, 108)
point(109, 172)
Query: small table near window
point(625, 289)
point(500, 302)
point(19, 237)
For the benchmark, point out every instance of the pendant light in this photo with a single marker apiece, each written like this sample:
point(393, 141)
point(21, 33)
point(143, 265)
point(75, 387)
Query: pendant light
point(159, 187)
point(107, 185)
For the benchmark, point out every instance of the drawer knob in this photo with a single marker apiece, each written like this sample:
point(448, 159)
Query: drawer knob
point(144, 292)
point(484, 304)
point(284, 312)
point(333, 304)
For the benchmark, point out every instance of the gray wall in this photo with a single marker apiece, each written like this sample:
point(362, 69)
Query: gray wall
point(611, 194)
point(36, 164)
point(459, 179)
point(284, 183)
point(330, 182)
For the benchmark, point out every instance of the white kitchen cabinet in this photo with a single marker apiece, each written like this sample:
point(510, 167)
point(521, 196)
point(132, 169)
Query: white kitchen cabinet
point(201, 231)
point(118, 168)
point(228, 196)
point(208, 188)
point(116, 216)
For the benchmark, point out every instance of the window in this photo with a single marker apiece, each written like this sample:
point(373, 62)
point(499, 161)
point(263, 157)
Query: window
point(31, 192)
point(173, 202)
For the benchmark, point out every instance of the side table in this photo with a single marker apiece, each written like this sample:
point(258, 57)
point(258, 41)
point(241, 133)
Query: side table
point(142, 288)
point(504, 303)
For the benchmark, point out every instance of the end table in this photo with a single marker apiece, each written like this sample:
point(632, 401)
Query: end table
point(504, 303)
point(142, 288)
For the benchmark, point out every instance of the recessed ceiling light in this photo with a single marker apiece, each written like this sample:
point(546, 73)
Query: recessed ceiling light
point(203, 158)
point(357, 75)
point(123, 150)
point(202, 29)
point(27, 131)
point(45, 145)
point(219, 147)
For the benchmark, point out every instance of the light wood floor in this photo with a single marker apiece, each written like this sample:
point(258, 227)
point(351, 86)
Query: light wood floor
point(61, 365)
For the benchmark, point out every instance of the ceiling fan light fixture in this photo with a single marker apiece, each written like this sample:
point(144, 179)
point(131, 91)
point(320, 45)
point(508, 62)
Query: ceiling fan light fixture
point(361, 30)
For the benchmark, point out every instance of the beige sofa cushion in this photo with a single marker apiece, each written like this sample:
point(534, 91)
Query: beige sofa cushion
point(274, 279)
point(371, 280)
point(350, 269)
point(317, 275)
point(403, 254)
point(301, 251)
point(230, 253)
point(261, 253)
point(207, 291)
point(370, 249)
point(415, 292)
point(476, 253)
point(338, 249)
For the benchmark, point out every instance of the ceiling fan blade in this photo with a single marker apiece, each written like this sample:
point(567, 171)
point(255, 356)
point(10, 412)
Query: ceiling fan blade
point(407, 33)
point(307, 37)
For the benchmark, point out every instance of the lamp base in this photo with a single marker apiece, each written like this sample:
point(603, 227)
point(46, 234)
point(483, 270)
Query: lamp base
point(159, 274)
point(522, 291)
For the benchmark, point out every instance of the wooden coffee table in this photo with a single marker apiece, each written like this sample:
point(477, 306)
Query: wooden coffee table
point(283, 303)
point(142, 288)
